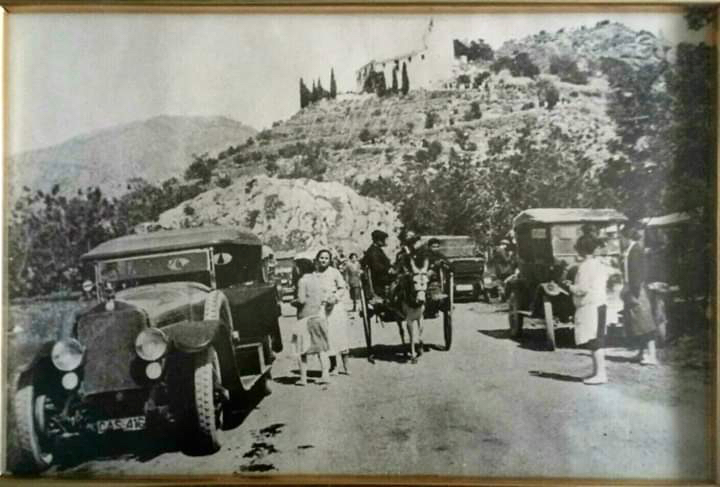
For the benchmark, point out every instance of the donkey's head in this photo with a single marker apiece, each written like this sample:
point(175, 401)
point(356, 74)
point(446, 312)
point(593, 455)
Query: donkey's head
point(419, 282)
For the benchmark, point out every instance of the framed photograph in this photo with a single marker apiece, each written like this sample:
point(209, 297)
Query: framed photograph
point(424, 243)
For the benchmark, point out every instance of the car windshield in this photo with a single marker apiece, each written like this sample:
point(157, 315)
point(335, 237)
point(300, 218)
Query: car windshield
point(192, 265)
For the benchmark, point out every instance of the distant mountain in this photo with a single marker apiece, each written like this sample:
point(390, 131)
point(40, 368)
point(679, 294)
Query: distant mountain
point(154, 149)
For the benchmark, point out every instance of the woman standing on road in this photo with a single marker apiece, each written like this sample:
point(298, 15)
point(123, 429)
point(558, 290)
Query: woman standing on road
point(310, 333)
point(334, 292)
point(590, 298)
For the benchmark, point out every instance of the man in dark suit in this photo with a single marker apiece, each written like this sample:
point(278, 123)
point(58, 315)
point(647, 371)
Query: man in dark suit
point(637, 312)
point(378, 264)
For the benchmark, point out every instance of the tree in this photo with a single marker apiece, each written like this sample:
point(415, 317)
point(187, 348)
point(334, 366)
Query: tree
point(567, 69)
point(394, 80)
point(405, 83)
point(333, 85)
point(314, 93)
point(321, 91)
point(304, 94)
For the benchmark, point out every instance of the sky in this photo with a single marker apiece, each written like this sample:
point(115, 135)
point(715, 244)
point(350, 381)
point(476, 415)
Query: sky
point(71, 74)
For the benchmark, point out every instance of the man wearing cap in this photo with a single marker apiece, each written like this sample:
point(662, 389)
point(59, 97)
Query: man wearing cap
point(378, 264)
point(407, 252)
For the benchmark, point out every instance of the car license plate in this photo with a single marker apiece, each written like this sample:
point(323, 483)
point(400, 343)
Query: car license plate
point(133, 423)
point(464, 287)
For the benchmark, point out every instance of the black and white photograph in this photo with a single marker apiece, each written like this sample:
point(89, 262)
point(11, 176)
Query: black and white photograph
point(427, 243)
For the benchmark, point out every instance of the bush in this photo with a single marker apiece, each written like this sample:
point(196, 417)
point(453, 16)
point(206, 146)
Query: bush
point(201, 168)
point(473, 113)
point(548, 94)
point(480, 79)
point(567, 69)
point(366, 136)
point(430, 119)
point(519, 65)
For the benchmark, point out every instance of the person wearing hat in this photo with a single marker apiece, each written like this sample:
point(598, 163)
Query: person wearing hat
point(502, 260)
point(637, 312)
point(407, 251)
point(378, 263)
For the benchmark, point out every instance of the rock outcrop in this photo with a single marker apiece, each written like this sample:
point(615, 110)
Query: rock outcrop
point(291, 214)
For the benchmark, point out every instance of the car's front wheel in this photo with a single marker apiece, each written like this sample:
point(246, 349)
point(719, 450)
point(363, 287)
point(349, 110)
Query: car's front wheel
point(204, 416)
point(35, 454)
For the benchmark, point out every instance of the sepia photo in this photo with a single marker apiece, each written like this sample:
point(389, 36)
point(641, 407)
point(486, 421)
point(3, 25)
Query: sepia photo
point(400, 243)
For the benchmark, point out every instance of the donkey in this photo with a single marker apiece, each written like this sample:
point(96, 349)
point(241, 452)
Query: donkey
point(412, 303)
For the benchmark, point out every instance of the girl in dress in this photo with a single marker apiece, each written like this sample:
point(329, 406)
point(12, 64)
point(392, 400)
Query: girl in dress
point(310, 334)
point(590, 298)
point(334, 292)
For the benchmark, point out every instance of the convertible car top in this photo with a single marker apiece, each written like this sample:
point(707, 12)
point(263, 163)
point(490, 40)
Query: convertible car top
point(567, 215)
point(169, 241)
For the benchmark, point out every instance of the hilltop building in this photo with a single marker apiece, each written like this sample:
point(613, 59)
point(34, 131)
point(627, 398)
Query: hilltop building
point(428, 63)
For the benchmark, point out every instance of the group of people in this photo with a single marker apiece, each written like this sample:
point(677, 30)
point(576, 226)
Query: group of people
point(323, 285)
point(589, 292)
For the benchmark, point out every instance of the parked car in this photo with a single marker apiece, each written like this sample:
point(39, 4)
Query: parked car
point(546, 240)
point(466, 263)
point(185, 332)
point(678, 273)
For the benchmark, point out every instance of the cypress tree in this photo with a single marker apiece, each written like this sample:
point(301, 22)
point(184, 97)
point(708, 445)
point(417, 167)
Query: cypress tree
point(333, 86)
point(321, 91)
point(314, 93)
point(394, 81)
point(304, 94)
point(405, 80)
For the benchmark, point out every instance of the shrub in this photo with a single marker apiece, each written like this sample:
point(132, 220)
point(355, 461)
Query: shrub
point(430, 119)
point(567, 69)
point(473, 113)
point(365, 135)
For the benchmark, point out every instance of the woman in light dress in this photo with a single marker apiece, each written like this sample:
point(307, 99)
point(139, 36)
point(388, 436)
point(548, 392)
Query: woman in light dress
point(310, 335)
point(334, 292)
point(589, 292)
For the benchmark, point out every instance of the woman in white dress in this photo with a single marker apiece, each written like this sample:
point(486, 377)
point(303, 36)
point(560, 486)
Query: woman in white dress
point(335, 291)
point(590, 298)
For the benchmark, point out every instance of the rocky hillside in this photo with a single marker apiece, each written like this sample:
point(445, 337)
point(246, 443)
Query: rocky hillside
point(588, 45)
point(363, 136)
point(154, 149)
point(296, 214)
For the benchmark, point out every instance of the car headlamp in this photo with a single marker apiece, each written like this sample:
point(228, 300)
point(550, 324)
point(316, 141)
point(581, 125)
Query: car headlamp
point(67, 354)
point(151, 344)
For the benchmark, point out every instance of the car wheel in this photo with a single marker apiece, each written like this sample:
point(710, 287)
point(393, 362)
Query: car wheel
point(205, 404)
point(514, 316)
point(29, 408)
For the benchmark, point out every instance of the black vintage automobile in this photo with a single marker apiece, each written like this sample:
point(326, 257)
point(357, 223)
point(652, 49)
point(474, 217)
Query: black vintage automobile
point(546, 240)
point(185, 330)
point(466, 264)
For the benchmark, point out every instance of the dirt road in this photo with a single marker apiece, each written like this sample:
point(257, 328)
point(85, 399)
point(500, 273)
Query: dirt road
point(491, 406)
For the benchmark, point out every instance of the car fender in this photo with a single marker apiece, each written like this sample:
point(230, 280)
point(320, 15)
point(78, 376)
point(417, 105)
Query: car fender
point(40, 358)
point(194, 336)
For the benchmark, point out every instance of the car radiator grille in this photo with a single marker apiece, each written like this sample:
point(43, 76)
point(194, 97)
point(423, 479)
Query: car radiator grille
point(111, 363)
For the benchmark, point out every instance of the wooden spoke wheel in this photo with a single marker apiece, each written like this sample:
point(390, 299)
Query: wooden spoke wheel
point(366, 324)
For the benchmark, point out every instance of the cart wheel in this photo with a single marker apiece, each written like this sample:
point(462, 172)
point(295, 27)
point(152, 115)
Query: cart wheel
point(515, 319)
point(549, 323)
point(366, 325)
point(447, 314)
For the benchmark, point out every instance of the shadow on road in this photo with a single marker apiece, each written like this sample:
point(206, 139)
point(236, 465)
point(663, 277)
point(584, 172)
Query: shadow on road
point(554, 376)
point(534, 339)
point(384, 353)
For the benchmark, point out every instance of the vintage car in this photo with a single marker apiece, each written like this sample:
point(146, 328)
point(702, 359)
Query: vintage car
point(677, 270)
point(184, 333)
point(546, 240)
point(466, 264)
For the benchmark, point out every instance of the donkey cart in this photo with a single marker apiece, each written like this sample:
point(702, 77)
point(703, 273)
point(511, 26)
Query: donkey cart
point(437, 299)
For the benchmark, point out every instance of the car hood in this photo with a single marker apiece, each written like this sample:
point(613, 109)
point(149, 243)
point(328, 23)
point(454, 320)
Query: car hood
point(168, 302)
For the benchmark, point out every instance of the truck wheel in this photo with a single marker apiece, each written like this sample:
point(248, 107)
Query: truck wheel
point(205, 415)
point(29, 408)
point(514, 316)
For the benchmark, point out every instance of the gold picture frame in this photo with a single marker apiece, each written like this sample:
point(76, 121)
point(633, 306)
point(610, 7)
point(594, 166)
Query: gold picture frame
point(379, 7)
